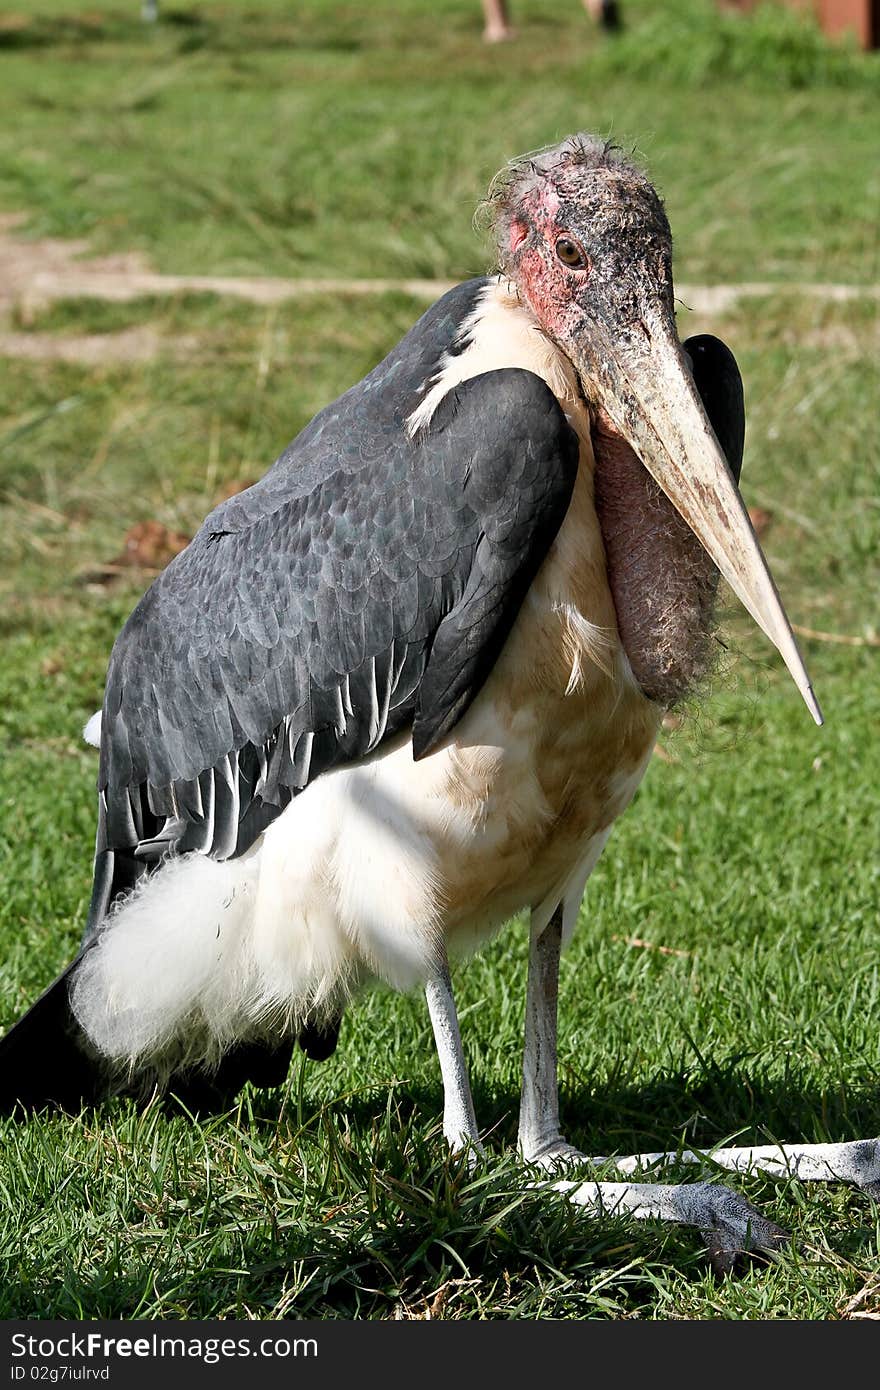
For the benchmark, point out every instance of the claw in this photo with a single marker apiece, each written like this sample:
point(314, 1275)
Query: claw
point(737, 1229)
point(730, 1226)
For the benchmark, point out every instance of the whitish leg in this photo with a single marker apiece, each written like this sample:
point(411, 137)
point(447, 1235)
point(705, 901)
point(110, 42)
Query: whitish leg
point(459, 1121)
point(540, 1139)
point(728, 1223)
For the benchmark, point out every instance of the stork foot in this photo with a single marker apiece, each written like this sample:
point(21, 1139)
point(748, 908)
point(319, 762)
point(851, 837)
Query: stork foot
point(730, 1226)
point(469, 1150)
point(856, 1161)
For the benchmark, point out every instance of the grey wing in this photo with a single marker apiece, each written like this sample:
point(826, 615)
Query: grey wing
point(303, 635)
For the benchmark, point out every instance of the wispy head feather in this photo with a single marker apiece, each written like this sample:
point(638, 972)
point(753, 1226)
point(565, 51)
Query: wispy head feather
point(563, 165)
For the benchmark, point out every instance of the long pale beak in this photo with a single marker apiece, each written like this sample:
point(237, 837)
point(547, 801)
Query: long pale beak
point(648, 394)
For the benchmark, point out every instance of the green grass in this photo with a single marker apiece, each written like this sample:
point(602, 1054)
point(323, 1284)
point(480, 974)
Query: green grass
point(354, 139)
point(243, 140)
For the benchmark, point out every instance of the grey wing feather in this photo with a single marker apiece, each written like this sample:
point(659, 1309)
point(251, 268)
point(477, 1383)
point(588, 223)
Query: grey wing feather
point(296, 635)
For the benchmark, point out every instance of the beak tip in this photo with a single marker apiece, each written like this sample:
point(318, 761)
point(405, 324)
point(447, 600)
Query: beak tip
point(813, 706)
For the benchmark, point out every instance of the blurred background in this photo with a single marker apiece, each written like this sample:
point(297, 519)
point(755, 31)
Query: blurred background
point(311, 140)
point(161, 184)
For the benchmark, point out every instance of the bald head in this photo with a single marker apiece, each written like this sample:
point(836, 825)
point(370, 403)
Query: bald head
point(581, 232)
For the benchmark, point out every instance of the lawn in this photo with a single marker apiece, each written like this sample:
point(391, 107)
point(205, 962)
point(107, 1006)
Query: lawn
point(354, 140)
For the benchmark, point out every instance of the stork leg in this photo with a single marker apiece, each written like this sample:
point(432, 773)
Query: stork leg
point(459, 1120)
point(729, 1224)
point(540, 1138)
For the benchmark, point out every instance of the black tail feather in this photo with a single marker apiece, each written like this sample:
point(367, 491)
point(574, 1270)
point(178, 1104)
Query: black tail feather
point(204, 1092)
point(46, 1061)
point(318, 1040)
point(43, 1060)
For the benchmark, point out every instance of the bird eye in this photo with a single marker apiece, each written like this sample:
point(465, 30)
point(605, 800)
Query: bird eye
point(570, 253)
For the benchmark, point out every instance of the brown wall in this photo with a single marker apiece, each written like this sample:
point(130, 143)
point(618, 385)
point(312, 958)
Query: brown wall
point(837, 17)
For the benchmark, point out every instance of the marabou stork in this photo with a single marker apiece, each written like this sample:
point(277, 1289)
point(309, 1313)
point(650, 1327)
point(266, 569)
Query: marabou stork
point(402, 687)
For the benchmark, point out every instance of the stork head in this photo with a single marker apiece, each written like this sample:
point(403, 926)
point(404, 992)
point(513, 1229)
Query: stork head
point(583, 236)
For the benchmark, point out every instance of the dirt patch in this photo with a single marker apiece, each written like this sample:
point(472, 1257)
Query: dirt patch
point(24, 261)
point(22, 264)
point(721, 299)
point(36, 272)
point(140, 344)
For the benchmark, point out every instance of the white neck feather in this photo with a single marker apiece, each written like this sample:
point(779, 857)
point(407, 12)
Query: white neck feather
point(503, 333)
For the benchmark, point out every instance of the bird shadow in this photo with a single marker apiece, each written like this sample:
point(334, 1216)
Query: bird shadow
point(721, 1105)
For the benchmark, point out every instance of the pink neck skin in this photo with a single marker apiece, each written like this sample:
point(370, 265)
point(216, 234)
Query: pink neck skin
point(662, 581)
